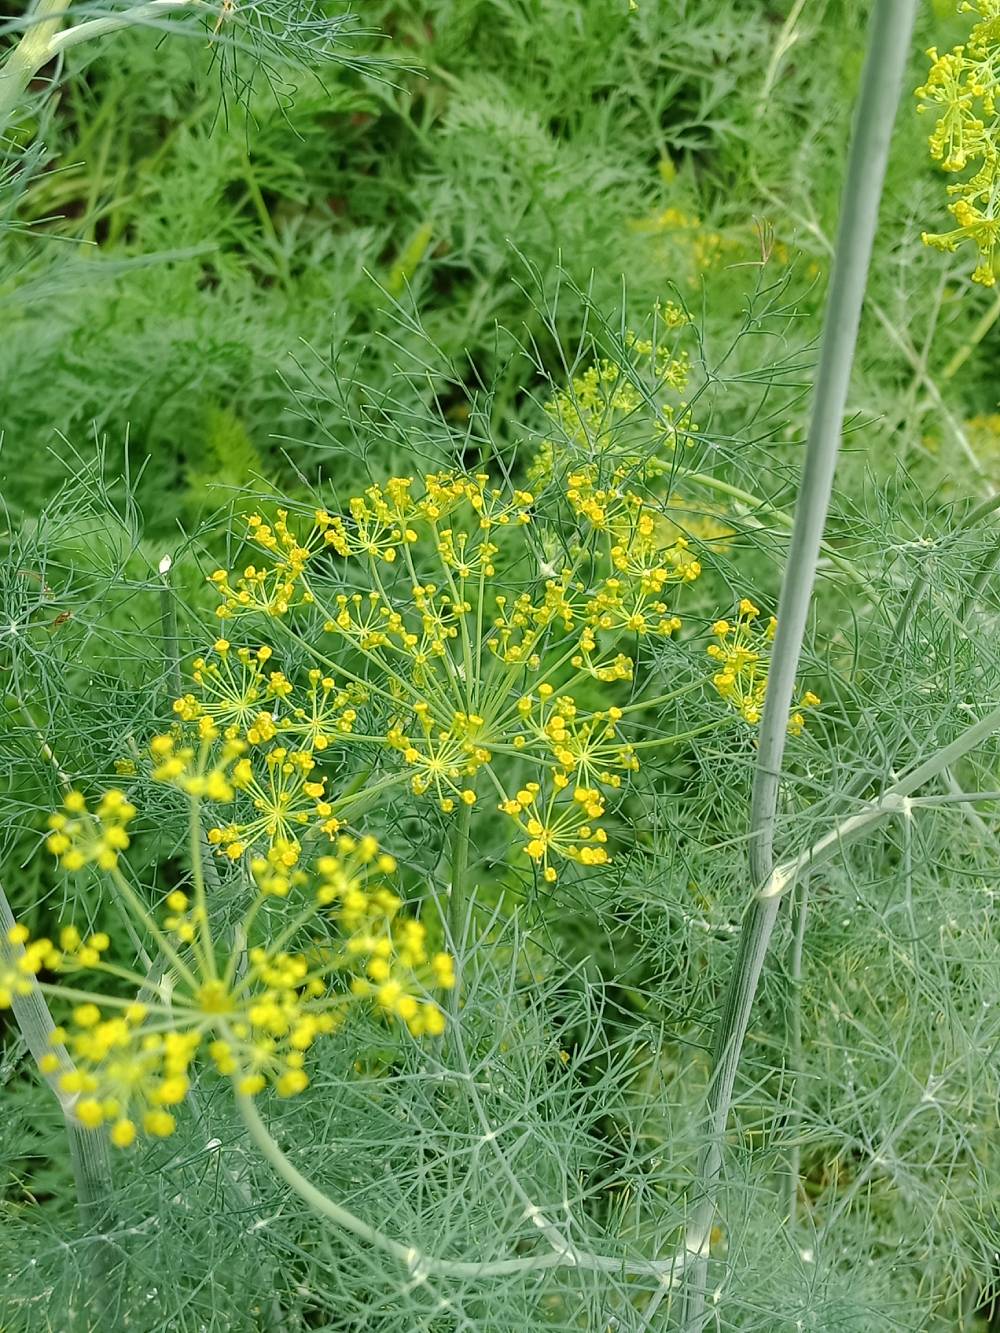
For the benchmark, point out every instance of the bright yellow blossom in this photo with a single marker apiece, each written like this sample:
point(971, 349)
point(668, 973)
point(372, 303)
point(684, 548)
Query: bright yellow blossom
point(962, 88)
point(79, 838)
point(252, 1013)
point(741, 653)
point(425, 638)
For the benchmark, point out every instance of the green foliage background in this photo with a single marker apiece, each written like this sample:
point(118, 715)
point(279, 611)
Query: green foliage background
point(342, 274)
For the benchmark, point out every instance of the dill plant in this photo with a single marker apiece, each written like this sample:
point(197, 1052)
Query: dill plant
point(384, 686)
point(540, 1149)
point(530, 1155)
point(536, 995)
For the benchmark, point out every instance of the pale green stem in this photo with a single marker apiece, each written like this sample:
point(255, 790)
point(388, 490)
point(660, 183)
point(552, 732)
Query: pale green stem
point(423, 1267)
point(888, 47)
point(197, 834)
point(794, 1123)
point(680, 736)
point(893, 801)
point(920, 584)
point(32, 52)
point(977, 335)
point(136, 16)
point(989, 562)
point(168, 622)
point(458, 874)
point(44, 39)
point(759, 504)
point(142, 913)
point(88, 1149)
point(787, 38)
point(892, 330)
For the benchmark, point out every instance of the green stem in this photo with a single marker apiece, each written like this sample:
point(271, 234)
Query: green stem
point(893, 801)
point(888, 47)
point(920, 584)
point(977, 335)
point(794, 1122)
point(197, 836)
point(137, 15)
point(684, 735)
point(33, 51)
point(44, 39)
point(665, 1272)
point(759, 504)
point(458, 874)
point(142, 913)
point(168, 621)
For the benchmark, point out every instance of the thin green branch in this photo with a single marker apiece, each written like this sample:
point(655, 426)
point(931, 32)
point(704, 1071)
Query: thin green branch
point(168, 621)
point(423, 1267)
point(759, 505)
point(893, 801)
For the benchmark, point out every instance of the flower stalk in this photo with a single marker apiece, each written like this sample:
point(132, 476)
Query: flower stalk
point(421, 1266)
point(458, 876)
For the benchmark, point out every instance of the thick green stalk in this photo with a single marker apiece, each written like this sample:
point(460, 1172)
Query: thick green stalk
point(43, 22)
point(888, 47)
point(44, 39)
point(138, 14)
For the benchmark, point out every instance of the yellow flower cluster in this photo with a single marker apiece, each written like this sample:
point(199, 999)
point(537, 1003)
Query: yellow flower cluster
point(566, 831)
point(741, 653)
point(271, 588)
point(463, 660)
point(278, 792)
point(962, 88)
point(19, 969)
point(123, 1069)
point(599, 401)
point(597, 433)
point(251, 1010)
point(79, 838)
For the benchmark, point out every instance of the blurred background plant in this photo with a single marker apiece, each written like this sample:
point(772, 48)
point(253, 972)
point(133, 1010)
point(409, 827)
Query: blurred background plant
point(225, 280)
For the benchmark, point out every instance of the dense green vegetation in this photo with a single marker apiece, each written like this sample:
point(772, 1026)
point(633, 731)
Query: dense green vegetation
point(233, 274)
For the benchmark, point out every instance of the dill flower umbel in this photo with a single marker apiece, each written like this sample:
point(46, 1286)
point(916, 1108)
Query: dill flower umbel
point(247, 1004)
point(597, 403)
point(461, 630)
point(740, 651)
point(962, 88)
point(437, 635)
point(79, 837)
